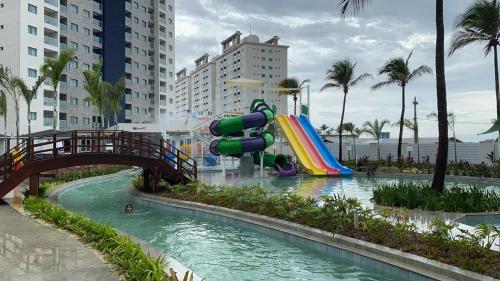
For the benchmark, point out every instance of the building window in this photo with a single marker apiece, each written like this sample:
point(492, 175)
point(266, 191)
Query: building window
point(74, 120)
point(170, 34)
point(86, 13)
point(86, 103)
point(86, 31)
point(86, 121)
point(32, 51)
point(74, 101)
point(32, 30)
point(86, 49)
point(32, 9)
point(74, 9)
point(32, 72)
point(74, 46)
point(74, 27)
point(73, 83)
point(32, 116)
point(86, 66)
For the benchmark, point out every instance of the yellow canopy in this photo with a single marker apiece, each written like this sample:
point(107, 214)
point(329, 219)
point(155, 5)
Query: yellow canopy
point(281, 89)
point(244, 83)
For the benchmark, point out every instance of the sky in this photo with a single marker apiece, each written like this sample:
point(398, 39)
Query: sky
point(318, 38)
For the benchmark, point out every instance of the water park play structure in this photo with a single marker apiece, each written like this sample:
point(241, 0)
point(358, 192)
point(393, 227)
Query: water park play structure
point(232, 144)
point(311, 151)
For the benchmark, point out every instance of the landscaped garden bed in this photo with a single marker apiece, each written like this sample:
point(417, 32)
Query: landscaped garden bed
point(391, 228)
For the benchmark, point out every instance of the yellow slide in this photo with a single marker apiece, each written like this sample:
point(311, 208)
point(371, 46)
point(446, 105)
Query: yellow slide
point(302, 155)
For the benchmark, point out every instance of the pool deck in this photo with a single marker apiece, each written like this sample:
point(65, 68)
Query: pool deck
point(30, 250)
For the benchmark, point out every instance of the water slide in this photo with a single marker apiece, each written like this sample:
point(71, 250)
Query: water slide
point(229, 128)
point(299, 148)
point(310, 148)
point(321, 147)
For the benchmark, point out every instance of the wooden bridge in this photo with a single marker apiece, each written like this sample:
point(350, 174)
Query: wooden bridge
point(77, 148)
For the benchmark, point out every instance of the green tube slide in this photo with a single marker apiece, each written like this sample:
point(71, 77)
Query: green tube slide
point(270, 159)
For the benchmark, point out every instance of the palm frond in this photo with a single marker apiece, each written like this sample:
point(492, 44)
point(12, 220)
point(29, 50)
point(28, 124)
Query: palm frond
point(360, 78)
point(329, 86)
point(420, 71)
point(351, 6)
point(382, 84)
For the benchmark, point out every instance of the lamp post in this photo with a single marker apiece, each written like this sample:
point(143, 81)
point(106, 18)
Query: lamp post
point(308, 81)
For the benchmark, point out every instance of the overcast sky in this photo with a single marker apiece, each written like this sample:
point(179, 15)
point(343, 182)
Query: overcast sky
point(317, 38)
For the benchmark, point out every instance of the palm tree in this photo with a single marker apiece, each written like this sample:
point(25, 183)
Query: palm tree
point(342, 76)
point(29, 94)
point(54, 69)
point(355, 133)
point(3, 110)
point(7, 81)
point(480, 23)
point(324, 129)
point(438, 179)
point(451, 125)
point(115, 97)
point(398, 72)
point(291, 87)
point(98, 90)
point(375, 130)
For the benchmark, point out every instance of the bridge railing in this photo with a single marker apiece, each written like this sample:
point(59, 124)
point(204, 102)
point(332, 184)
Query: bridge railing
point(83, 142)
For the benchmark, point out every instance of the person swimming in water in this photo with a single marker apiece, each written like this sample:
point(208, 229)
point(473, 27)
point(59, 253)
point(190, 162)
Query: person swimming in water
point(129, 208)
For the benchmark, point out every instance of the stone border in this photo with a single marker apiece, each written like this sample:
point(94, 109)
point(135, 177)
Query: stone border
point(53, 196)
point(415, 265)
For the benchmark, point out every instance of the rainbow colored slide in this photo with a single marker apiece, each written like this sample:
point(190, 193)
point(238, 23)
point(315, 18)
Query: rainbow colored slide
point(312, 153)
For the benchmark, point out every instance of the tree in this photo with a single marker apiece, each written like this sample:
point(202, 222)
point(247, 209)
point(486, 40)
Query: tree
point(398, 72)
point(115, 97)
point(291, 87)
point(375, 130)
point(354, 6)
point(342, 76)
point(355, 133)
point(98, 89)
point(7, 81)
point(29, 94)
point(324, 129)
point(3, 110)
point(54, 69)
point(451, 125)
point(480, 24)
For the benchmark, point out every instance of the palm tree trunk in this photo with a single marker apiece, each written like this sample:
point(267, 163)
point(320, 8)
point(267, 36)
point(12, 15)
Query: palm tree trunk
point(341, 125)
point(455, 145)
point(116, 121)
point(295, 105)
point(17, 121)
point(54, 113)
point(497, 82)
point(401, 120)
point(355, 154)
point(378, 148)
point(29, 120)
point(442, 152)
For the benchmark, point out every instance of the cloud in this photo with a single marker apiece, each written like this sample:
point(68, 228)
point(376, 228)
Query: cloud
point(318, 37)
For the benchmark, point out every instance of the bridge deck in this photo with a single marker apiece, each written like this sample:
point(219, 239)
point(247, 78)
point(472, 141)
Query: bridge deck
point(47, 153)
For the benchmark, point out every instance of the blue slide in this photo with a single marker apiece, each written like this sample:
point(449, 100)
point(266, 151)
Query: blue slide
point(323, 150)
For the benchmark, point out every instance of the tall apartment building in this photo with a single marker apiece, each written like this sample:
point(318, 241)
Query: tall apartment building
point(182, 93)
point(134, 38)
point(241, 58)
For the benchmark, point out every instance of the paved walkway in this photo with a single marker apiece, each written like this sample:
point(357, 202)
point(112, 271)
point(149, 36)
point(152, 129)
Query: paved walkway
point(32, 251)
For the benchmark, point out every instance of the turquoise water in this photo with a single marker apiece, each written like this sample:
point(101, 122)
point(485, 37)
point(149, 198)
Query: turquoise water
point(309, 186)
point(214, 248)
point(474, 220)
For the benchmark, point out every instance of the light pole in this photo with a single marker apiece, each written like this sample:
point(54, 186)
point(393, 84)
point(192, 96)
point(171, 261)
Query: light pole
point(308, 97)
point(415, 132)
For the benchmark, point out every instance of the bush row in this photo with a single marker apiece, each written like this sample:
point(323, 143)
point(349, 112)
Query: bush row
point(421, 195)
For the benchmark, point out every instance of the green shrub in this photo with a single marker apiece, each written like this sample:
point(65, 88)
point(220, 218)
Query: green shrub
point(127, 256)
point(421, 195)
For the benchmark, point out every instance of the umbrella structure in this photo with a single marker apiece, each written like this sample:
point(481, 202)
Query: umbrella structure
point(244, 83)
point(494, 129)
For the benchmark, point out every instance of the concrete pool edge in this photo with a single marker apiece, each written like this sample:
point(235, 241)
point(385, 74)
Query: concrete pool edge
point(53, 196)
point(391, 257)
point(467, 179)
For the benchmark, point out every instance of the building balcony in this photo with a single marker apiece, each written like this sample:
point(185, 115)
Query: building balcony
point(128, 113)
point(63, 10)
point(97, 7)
point(48, 121)
point(128, 36)
point(48, 101)
point(128, 98)
point(51, 20)
point(128, 52)
point(97, 56)
point(52, 2)
point(63, 29)
point(163, 102)
point(128, 83)
point(47, 82)
point(163, 48)
point(128, 68)
point(163, 61)
point(128, 21)
point(97, 23)
point(97, 40)
point(51, 41)
point(163, 34)
point(63, 104)
point(63, 124)
point(128, 6)
point(63, 86)
point(163, 75)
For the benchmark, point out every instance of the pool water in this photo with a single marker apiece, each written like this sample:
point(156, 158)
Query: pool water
point(474, 220)
point(214, 248)
point(309, 186)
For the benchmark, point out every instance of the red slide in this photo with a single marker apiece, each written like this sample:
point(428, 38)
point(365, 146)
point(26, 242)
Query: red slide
point(310, 148)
